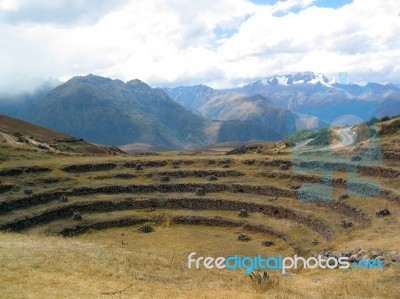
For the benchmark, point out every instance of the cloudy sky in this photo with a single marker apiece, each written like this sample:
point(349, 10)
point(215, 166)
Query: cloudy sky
point(221, 43)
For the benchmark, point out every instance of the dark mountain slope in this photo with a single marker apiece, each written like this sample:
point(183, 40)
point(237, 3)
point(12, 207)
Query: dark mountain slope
point(112, 112)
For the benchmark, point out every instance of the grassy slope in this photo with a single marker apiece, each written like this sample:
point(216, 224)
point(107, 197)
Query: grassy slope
point(13, 125)
point(15, 131)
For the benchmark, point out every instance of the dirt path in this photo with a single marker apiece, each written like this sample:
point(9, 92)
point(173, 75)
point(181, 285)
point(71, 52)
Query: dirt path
point(8, 139)
point(346, 139)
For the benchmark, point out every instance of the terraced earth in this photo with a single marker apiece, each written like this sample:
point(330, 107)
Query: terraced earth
point(70, 224)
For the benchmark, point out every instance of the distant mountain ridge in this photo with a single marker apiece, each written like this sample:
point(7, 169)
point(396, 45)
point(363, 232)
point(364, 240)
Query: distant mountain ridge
point(106, 111)
point(135, 115)
point(255, 110)
point(304, 93)
point(318, 95)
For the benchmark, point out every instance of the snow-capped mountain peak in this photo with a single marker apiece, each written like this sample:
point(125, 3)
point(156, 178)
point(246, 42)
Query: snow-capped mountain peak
point(321, 78)
point(298, 78)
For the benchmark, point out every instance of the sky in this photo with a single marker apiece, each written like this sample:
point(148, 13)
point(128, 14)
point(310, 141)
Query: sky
point(220, 43)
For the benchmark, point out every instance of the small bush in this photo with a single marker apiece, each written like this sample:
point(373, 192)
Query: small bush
point(63, 198)
point(146, 228)
point(243, 237)
point(77, 216)
point(263, 282)
point(259, 278)
point(200, 191)
point(267, 243)
point(28, 191)
point(212, 178)
point(346, 224)
point(243, 213)
point(382, 213)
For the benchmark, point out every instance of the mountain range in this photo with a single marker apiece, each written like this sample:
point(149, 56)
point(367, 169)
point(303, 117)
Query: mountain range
point(315, 94)
point(102, 110)
point(302, 93)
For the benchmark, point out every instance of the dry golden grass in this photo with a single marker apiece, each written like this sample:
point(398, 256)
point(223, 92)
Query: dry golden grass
point(155, 266)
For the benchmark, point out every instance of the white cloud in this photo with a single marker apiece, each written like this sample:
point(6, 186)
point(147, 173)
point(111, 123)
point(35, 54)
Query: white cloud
point(8, 5)
point(60, 12)
point(172, 42)
point(354, 38)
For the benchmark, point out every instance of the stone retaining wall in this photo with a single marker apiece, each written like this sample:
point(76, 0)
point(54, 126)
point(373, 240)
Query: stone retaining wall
point(81, 228)
point(275, 163)
point(375, 171)
point(198, 173)
point(6, 188)
point(156, 163)
point(394, 156)
point(166, 188)
point(344, 208)
point(360, 188)
point(21, 170)
point(229, 223)
point(89, 167)
point(378, 171)
point(199, 220)
point(172, 203)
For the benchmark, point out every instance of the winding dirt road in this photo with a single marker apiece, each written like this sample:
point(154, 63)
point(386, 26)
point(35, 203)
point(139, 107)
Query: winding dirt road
point(8, 139)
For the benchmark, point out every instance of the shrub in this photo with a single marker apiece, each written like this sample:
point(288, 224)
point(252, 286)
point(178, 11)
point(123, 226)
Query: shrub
point(200, 191)
point(382, 213)
point(346, 224)
point(267, 243)
point(28, 191)
point(77, 216)
point(243, 213)
point(263, 281)
point(212, 178)
point(63, 198)
point(243, 237)
point(146, 228)
point(259, 278)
